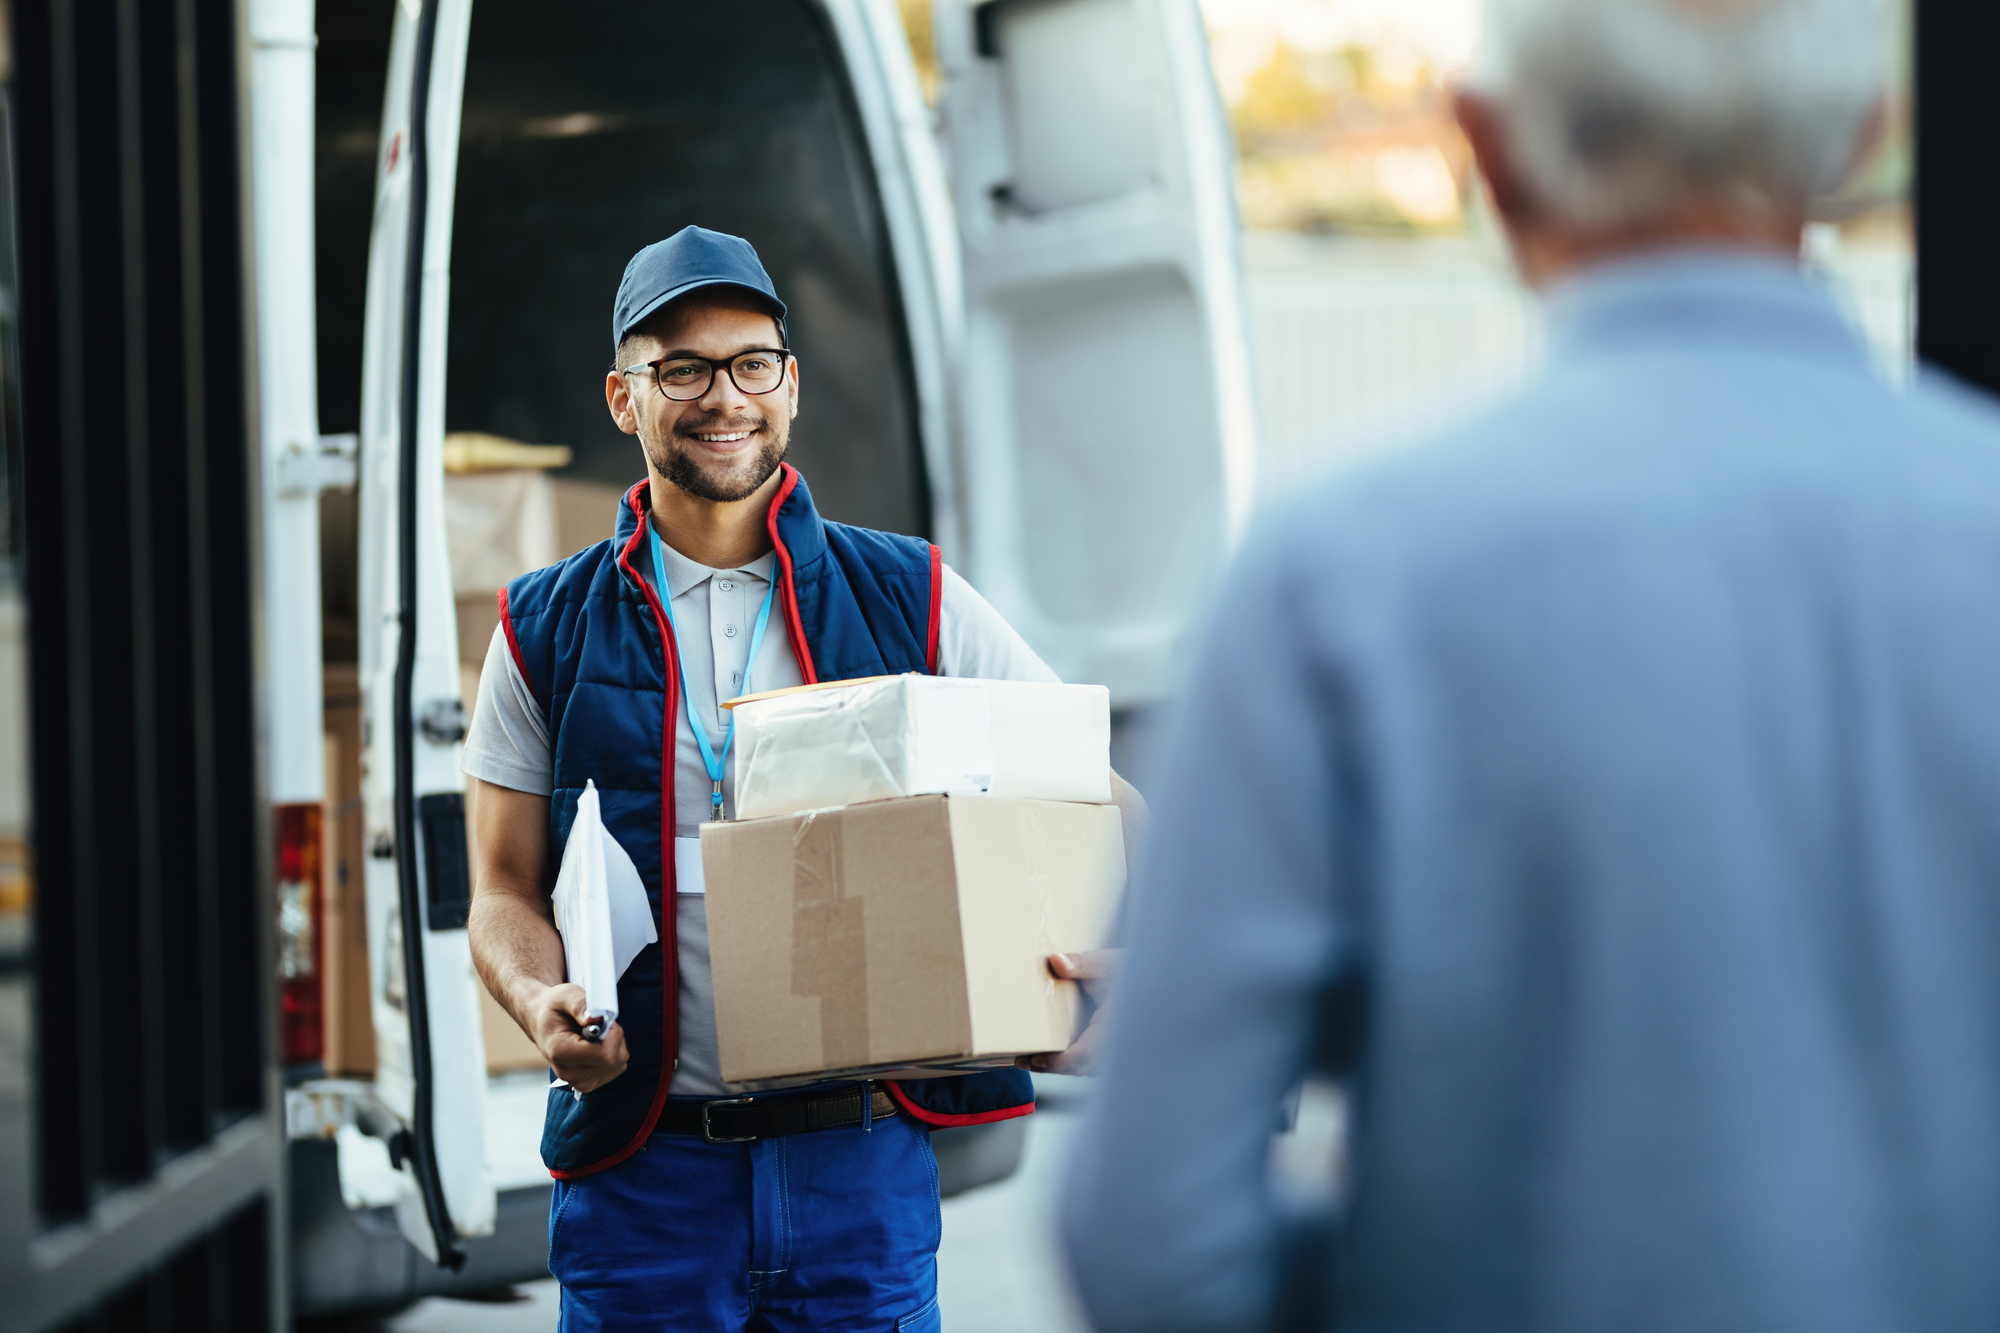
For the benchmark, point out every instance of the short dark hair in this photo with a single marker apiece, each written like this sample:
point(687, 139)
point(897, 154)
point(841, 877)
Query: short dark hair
point(623, 356)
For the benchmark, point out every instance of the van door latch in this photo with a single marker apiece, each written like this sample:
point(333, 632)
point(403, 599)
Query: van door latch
point(443, 721)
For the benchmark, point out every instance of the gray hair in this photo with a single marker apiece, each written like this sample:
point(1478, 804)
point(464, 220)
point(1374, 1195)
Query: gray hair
point(1614, 107)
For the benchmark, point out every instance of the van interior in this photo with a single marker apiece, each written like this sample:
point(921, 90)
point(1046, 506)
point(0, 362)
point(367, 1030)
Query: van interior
point(589, 131)
point(592, 130)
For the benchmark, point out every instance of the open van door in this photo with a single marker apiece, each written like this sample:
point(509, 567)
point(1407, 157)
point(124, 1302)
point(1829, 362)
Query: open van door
point(1105, 399)
point(431, 1059)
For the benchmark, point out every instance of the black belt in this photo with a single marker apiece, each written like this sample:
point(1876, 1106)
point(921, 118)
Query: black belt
point(741, 1119)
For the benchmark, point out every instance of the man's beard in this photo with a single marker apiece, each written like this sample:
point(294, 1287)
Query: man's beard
point(680, 460)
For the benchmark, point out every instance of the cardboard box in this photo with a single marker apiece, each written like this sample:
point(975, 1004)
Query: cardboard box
point(912, 932)
point(817, 746)
point(347, 1007)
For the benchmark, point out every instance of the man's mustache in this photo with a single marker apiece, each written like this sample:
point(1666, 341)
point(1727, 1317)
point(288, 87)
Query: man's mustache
point(718, 424)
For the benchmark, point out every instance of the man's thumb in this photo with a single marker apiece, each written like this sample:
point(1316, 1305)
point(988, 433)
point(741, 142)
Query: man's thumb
point(570, 999)
point(1090, 965)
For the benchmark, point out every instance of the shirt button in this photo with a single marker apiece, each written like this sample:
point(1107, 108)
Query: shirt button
point(729, 631)
point(726, 585)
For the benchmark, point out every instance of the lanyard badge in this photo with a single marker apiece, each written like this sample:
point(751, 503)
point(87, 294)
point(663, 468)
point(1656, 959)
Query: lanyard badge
point(710, 759)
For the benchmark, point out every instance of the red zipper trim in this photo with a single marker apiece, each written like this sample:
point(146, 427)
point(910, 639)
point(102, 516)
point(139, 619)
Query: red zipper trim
point(795, 629)
point(937, 609)
point(669, 932)
point(943, 1121)
point(514, 644)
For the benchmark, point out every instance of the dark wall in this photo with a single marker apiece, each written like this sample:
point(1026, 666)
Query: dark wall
point(353, 67)
point(592, 130)
point(1957, 189)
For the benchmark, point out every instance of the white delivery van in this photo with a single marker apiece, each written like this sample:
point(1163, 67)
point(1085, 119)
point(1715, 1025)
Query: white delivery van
point(1019, 321)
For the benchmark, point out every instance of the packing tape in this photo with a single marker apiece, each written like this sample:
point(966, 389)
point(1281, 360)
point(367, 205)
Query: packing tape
point(829, 942)
point(1061, 1000)
point(814, 749)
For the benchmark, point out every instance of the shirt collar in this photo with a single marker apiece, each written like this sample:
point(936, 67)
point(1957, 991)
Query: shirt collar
point(684, 575)
point(1697, 298)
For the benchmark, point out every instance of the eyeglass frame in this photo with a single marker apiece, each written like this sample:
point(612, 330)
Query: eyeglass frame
point(784, 355)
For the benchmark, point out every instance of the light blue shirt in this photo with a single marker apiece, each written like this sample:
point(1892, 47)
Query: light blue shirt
point(1635, 748)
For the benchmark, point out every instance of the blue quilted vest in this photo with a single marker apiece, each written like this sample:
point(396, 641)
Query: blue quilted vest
point(590, 639)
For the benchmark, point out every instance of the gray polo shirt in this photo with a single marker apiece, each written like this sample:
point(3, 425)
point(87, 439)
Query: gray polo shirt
point(715, 614)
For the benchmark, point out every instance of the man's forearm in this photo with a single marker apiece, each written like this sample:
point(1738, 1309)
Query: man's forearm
point(516, 949)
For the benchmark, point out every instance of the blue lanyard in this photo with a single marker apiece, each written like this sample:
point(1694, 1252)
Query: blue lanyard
point(709, 759)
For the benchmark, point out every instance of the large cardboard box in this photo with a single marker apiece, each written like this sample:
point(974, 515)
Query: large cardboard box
point(885, 736)
point(346, 1004)
point(903, 933)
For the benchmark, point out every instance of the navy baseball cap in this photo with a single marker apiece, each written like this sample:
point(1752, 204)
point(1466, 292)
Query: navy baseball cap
point(691, 258)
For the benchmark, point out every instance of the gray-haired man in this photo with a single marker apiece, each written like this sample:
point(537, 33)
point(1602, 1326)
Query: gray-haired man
point(1616, 775)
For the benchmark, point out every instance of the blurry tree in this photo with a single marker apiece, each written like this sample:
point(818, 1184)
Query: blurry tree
point(1287, 98)
point(1349, 139)
point(1360, 65)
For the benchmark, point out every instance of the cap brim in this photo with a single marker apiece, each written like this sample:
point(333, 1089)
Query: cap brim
point(667, 298)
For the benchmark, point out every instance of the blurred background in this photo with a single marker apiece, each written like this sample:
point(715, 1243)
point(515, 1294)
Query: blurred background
point(1379, 294)
point(1376, 291)
point(1371, 254)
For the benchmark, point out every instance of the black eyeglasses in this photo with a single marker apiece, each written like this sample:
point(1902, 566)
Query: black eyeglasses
point(685, 378)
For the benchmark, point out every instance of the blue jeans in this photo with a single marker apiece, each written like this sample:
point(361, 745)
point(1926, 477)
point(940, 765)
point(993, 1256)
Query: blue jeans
point(831, 1231)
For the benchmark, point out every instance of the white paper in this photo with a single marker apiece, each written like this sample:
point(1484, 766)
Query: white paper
point(953, 725)
point(821, 748)
point(601, 909)
point(687, 866)
point(909, 735)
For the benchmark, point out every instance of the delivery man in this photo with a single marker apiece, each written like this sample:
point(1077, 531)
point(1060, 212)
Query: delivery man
point(679, 1202)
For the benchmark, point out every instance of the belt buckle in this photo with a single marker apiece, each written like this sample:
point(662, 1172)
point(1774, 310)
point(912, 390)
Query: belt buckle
point(708, 1133)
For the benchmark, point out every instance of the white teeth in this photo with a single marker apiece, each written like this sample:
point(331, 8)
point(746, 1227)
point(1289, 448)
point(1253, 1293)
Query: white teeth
point(724, 439)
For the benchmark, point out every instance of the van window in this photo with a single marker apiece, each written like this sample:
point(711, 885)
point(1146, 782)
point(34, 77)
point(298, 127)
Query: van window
point(591, 130)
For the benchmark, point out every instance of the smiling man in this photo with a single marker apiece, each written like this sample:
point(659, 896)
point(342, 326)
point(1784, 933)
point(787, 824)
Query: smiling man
point(680, 1202)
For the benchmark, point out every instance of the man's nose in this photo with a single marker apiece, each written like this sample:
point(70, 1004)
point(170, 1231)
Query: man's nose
point(722, 394)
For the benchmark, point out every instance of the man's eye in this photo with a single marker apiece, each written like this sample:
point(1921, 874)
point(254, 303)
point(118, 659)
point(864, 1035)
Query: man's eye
point(754, 365)
point(682, 372)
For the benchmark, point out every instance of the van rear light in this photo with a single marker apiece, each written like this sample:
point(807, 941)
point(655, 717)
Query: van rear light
point(301, 1033)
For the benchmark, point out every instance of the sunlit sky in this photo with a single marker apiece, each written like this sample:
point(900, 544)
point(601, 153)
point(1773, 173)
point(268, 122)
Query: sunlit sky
point(1439, 32)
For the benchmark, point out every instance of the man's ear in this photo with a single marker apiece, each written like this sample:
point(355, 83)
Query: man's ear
point(1486, 130)
point(792, 383)
point(618, 397)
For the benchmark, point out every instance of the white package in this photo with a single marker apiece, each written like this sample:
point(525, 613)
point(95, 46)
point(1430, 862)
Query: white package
point(912, 735)
point(601, 908)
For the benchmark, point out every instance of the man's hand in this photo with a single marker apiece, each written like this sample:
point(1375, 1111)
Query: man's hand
point(515, 946)
point(556, 1017)
point(1093, 970)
